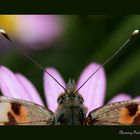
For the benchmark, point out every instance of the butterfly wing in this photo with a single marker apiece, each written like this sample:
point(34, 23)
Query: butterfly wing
point(20, 112)
point(120, 113)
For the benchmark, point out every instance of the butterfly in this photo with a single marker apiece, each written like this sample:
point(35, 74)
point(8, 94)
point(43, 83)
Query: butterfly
point(71, 109)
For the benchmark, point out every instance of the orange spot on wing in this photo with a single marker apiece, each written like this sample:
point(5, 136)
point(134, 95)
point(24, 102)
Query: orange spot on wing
point(22, 117)
point(124, 116)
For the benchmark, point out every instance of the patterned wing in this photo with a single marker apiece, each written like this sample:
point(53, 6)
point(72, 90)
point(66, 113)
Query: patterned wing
point(120, 113)
point(20, 112)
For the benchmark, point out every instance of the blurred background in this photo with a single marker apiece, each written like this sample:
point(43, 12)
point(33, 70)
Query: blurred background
point(69, 43)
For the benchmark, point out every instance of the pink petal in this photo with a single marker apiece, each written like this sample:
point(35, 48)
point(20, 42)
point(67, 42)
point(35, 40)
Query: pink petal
point(94, 90)
point(52, 89)
point(40, 28)
point(30, 89)
point(137, 98)
point(10, 86)
point(120, 97)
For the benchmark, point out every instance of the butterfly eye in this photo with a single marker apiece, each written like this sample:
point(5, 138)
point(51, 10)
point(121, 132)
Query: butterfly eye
point(80, 98)
point(60, 99)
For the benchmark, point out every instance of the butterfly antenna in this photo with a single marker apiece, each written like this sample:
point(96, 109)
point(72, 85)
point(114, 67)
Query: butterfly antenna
point(134, 34)
point(29, 57)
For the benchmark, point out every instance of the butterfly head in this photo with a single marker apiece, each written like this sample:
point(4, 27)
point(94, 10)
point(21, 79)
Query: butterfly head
point(71, 94)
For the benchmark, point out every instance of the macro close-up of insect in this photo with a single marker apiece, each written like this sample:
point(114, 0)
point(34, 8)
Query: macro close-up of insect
point(67, 104)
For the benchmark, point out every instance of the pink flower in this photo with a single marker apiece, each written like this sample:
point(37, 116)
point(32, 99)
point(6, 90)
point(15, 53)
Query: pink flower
point(18, 86)
point(34, 31)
